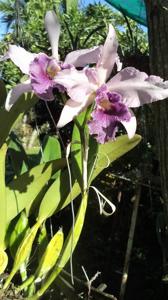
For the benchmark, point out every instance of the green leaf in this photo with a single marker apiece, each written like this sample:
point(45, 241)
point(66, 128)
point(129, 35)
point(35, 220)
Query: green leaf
point(50, 255)
point(3, 202)
point(76, 150)
point(8, 118)
point(17, 233)
point(93, 149)
point(3, 261)
point(50, 148)
point(42, 240)
point(17, 154)
point(22, 191)
point(58, 195)
point(68, 247)
point(109, 152)
point(23, 252)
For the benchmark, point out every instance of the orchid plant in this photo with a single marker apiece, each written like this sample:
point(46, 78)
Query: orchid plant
point(97, 102)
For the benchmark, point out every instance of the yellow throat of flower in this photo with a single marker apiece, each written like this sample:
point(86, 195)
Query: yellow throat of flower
point(53, 68)
point(105, 104)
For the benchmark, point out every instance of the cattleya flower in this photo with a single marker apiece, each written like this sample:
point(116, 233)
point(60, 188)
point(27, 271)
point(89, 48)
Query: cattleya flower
point(42, 69)
point(112, 98)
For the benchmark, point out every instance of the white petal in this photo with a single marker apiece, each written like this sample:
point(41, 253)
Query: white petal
point(137, 88)
point(21, 57)
point(108, 56)
point(71, 110)
point(15, 93)
point(81, 58)
point(76, 82)
point(130, 126)
point(53, 28)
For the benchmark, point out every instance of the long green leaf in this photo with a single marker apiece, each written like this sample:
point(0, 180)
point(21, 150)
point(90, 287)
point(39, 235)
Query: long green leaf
point(51, 149)
point(109, 152)
point(18, 156)
point(58, 195)
point(22, 192)
point(17, 232)
point(8, 118)
point(68, 248)
point(3, 203)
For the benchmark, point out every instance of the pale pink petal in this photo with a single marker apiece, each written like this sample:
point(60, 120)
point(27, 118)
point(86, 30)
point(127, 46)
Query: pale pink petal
point(21, 57)
point(53, 27)
point(76, 82)
point(136, 89)
point(70, 111)
point(130, 125)
point(16, 92)
point(81, 58)
point(108, 56)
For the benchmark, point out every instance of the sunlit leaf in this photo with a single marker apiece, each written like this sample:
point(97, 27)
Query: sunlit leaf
point(3, 201)
point(109, 152)
point(17, 233)
point(3, 261)
point(68, 247)
point(8, 118)
point(17, 154)
point(50, 255)
point(22, 191)
point(23, 252)
point(61, 197)
point(51, 149)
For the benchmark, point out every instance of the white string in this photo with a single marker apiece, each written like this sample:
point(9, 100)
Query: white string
point(90, 281)
point(103, 201)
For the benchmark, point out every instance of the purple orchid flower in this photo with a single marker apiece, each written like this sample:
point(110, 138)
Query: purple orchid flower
point(42, 69)
point(114, 98)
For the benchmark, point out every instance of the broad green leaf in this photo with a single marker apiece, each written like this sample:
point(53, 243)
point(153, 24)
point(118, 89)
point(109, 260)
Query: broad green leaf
point(8, 118)
point(51, 149)
point(3, 93)
point(58, 195)
point(17, 154)
point(22, 191)
point(109, 152)
point(68, 247)
point(3, 201)
point(51, 200)
point(23, 252)
point(3, 261)
point(17, 233)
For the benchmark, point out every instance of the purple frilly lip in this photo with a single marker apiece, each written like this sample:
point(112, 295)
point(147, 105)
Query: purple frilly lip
point(43, 71)
point(108, 113)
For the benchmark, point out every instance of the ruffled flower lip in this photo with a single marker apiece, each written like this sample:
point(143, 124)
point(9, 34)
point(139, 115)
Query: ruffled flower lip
point(108, 113)
point(43, 72)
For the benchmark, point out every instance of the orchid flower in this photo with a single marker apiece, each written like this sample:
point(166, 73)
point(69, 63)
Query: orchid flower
point(112, 98)
point(41, 68)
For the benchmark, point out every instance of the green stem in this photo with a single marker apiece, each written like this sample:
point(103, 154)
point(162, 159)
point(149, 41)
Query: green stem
point(26, 283)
